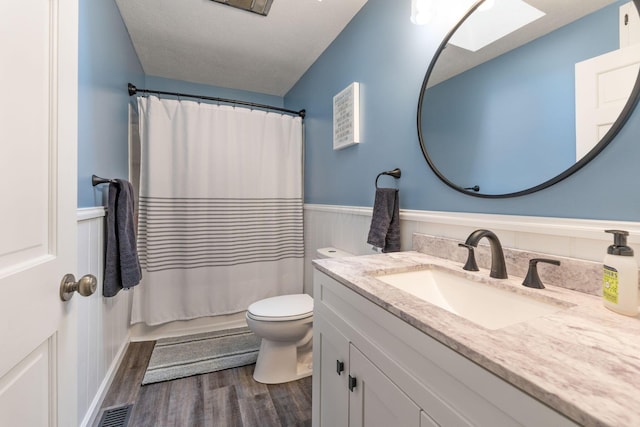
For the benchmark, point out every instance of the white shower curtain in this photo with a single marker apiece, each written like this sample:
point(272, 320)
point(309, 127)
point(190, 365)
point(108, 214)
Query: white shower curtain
point(220, 209)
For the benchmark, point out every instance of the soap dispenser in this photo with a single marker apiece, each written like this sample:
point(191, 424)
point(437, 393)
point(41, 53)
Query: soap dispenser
point(620, 276)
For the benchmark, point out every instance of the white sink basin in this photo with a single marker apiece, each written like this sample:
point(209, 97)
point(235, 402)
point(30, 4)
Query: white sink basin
point(486, 305)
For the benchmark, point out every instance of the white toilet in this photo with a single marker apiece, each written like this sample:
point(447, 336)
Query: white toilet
point(285, 325)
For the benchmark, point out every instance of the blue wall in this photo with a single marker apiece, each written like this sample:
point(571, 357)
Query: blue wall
point(107, 62)
point(532, 89)
point(388, 55)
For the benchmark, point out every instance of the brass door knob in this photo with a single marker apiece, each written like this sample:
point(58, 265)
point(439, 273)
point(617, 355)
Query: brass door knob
point(85, 286)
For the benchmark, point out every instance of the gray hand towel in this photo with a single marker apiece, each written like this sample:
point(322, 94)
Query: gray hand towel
point(385, 223)
point(122, 267)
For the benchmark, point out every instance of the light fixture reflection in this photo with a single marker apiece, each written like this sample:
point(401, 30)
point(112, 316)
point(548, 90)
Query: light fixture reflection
point(486, 5)
point(421, 11)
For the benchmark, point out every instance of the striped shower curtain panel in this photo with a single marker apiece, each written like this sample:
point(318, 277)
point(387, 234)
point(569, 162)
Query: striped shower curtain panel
point(220, 209)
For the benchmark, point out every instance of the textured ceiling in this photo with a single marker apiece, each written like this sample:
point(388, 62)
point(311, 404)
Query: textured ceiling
point(207, 42)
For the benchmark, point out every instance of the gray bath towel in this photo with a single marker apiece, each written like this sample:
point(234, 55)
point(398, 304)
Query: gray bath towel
point(122, 267)
point(385, 223)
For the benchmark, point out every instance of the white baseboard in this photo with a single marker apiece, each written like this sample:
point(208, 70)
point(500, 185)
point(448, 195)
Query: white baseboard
point(94, 408)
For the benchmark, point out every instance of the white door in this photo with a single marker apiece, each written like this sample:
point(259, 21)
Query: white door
point(629, 25)
point(603, 86)
point(38, 128)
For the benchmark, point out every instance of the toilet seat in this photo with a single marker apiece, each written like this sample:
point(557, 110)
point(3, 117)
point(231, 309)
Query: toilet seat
point(282, 308)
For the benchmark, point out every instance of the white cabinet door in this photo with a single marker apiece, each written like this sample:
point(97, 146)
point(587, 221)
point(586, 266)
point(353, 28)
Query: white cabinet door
point(38, 128)
point(426, 421)
point(375, 401)
point(330, 376)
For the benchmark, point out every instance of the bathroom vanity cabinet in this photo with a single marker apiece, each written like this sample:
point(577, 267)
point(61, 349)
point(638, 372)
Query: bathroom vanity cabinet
point(354, 389)
point(373, 369)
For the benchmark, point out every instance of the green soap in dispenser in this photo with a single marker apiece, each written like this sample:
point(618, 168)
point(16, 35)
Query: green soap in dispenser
point(620, 276)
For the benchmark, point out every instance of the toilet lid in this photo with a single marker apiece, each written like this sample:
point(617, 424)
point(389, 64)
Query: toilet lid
point(283, 307)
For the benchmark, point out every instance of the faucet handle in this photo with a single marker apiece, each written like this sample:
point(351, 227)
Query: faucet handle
point(471, 264)
point(533, 279)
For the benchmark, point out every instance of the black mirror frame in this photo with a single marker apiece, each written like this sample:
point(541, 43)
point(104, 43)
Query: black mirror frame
point(634, 97)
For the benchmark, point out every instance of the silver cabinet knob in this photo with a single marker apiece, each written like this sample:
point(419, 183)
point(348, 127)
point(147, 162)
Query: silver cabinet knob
point(85, 286)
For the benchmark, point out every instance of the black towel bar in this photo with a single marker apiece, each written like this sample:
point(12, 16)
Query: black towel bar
point(96, 180)
point(396, 173)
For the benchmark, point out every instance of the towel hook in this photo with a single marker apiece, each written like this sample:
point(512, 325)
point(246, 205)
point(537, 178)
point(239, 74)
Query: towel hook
point(396, 173)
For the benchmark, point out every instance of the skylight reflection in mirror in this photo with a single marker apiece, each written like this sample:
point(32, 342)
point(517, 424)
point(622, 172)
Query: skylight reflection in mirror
point(493, 23)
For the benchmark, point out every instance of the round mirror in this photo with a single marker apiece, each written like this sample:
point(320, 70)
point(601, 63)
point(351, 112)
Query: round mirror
point(522, 94)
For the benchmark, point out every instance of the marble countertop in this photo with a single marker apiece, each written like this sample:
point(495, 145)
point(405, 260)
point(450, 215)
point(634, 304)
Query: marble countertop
point(583, 361)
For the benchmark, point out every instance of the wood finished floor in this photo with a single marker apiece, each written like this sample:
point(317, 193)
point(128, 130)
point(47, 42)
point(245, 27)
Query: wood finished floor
point(219, 399)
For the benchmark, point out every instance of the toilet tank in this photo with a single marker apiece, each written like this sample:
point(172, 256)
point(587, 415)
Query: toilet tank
point(331, 252)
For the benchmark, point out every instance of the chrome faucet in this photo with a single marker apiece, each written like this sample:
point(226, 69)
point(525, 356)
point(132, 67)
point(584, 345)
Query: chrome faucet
point(498, 265)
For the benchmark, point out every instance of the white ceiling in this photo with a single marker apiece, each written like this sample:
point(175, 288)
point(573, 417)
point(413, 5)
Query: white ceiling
point(207, 42)
point(558, 13)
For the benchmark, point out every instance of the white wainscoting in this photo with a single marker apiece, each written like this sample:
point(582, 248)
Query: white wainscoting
point(347, 227)
point(103, 323)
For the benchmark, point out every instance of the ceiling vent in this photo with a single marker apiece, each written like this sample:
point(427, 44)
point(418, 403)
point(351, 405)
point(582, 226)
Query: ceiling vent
point(260, 7)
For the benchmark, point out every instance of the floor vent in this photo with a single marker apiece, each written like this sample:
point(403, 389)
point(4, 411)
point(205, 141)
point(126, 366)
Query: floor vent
point(117, 416)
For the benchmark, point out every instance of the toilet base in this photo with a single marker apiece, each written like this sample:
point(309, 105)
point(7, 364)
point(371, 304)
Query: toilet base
point(279, 362)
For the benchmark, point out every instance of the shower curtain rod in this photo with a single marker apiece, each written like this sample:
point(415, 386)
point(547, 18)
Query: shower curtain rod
point(134, 90)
